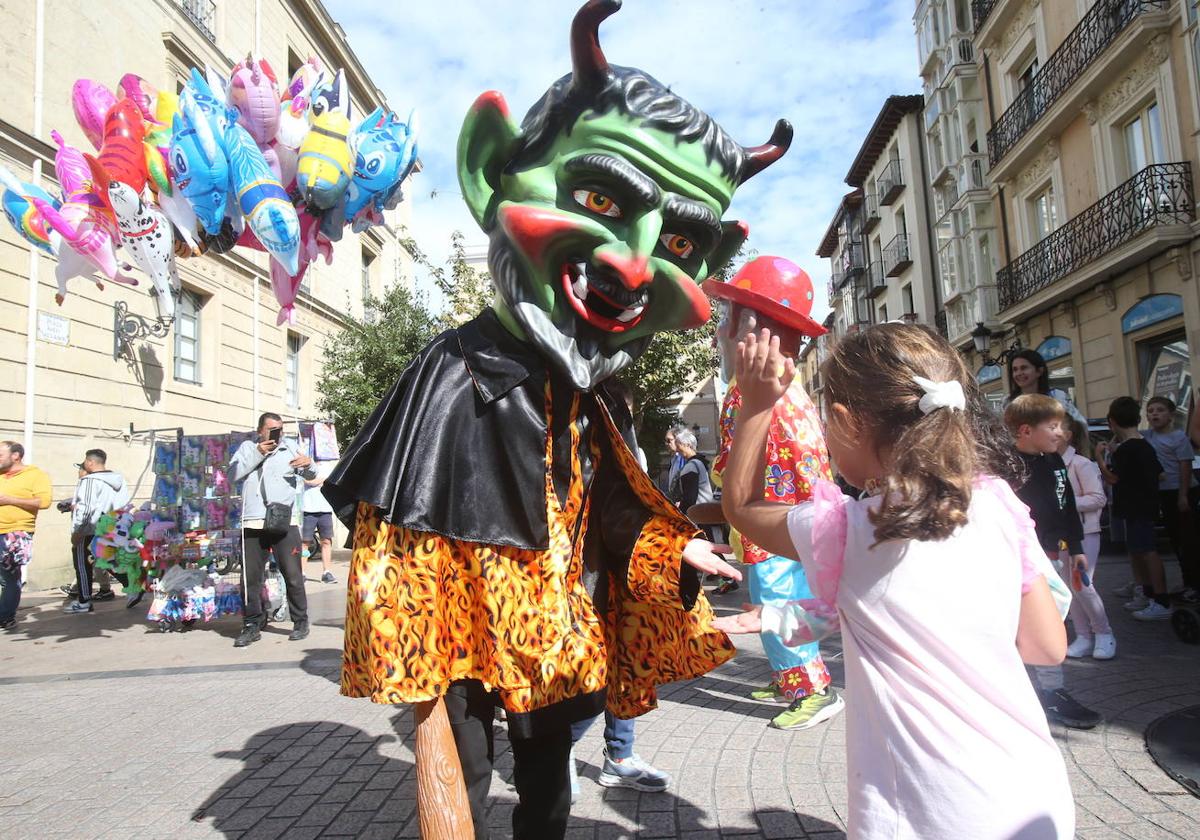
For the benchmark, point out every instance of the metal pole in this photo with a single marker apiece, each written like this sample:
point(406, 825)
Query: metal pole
point(256, 310)
point(34, 260)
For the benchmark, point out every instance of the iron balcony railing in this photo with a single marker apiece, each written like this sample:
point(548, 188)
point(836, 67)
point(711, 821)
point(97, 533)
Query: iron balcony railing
point(853, 258)
point(896, 256)
point(1098, 28)
point(980, 9)
point(870, 212)
point(890, 183)
point(1158, 195)
point(203, 13)
point(876, 281)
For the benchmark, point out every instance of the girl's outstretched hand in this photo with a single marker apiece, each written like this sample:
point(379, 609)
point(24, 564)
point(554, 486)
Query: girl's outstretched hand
point(746, 622)
point(763, 373)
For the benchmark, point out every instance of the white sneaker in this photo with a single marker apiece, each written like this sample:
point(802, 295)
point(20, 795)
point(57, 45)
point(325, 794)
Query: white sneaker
point(1081, 647)
point(1139, 602)
point(1127, 591)
point(573, 775)
point(1154, 612)
point(1106, 646)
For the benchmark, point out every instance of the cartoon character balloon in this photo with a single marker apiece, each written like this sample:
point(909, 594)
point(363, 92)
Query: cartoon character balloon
point(262, 199)
point(91, 102)
point(123, 154)
point(385, 151)
point(22, 214)
point(199, 166)
point(323, 169)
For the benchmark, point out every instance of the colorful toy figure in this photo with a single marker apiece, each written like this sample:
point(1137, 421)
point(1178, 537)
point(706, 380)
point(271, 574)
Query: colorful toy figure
point(91, 102)
point(776, 293)
point(200, 170)
point(602, 209)
point(262, 199)
point(385, 151)
point(23, 215)
point(146, 235)
point(123, 153)
point(254, 91)
point(324, 165)
point(89, 231)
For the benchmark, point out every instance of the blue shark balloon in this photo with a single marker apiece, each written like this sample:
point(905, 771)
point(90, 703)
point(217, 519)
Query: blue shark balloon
point(199, 167)
point(385, 151)
point(262, 199)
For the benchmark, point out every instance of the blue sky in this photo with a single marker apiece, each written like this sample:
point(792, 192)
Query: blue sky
point(826, 65)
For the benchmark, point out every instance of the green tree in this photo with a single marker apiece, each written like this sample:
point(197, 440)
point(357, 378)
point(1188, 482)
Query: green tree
point(366, 359)
point(465, 289)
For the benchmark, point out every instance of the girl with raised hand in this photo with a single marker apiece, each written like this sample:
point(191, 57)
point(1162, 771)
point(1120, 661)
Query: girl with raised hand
point(936, 579)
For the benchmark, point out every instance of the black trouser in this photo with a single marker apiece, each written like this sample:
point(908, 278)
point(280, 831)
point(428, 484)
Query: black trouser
point(539, 766)
point(1181, 531)
point(286, 547)
point(83, 566)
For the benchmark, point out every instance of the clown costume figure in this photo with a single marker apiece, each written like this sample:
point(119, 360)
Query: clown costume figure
point(775, 293)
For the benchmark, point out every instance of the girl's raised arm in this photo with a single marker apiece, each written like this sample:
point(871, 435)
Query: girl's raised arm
point(763, 375)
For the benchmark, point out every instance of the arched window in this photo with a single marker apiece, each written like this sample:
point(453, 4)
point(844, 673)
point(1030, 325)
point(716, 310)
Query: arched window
point(988, 374)
point(1151, 310)
point(1054, 347)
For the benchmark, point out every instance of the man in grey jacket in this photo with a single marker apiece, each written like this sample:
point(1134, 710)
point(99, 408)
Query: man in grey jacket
point(271, 471)
point(99, 491)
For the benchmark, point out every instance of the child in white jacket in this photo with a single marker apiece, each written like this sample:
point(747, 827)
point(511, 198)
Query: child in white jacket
point(1092, 631)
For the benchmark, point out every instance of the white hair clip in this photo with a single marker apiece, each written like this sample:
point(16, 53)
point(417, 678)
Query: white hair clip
point(941, 395)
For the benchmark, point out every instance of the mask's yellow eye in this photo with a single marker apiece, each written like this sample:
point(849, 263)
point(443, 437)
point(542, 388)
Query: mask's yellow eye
point(597, 203)
point(680, 246)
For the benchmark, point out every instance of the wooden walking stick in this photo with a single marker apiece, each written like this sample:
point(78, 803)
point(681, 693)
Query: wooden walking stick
point(442, 806)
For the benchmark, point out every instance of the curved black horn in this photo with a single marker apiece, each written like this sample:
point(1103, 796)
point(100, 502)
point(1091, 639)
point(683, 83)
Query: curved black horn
point(760, 157)
point(589, 66)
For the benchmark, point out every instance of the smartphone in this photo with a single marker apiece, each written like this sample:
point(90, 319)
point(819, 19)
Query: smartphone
point(275, 434)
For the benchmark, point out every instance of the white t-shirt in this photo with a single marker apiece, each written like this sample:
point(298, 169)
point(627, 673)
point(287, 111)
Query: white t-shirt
point(314, 500)
point(945, 736)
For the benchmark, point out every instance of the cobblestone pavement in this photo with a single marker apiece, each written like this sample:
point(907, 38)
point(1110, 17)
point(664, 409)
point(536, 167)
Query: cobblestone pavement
point(115, 730)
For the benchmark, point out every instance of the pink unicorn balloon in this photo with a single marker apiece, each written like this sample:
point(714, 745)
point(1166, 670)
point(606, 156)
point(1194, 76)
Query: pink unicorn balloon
point(254, 91)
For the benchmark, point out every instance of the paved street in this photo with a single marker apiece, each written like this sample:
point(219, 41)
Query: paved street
point(115, 730)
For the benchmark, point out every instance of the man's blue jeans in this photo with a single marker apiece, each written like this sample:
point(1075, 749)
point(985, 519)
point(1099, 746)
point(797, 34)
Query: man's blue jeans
point(618, 734)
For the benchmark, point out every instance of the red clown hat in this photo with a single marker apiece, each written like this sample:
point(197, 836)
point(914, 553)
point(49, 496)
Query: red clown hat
point(776, 287)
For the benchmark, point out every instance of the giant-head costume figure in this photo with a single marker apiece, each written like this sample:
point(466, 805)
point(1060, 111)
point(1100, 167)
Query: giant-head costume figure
point(604, 207)
point(499, 465)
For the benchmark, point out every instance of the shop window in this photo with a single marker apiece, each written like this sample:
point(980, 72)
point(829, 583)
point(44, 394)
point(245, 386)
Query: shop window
point(1151, 310)
point(988, 373)
point(1164, 368)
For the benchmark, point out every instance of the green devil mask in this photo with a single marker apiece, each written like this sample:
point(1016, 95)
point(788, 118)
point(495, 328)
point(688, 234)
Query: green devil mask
point(604, 207)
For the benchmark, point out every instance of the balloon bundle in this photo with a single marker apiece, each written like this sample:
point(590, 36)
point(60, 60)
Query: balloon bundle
point(228, 162)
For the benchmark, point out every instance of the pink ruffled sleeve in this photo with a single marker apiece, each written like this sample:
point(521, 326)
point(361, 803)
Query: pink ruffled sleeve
point(818, 530)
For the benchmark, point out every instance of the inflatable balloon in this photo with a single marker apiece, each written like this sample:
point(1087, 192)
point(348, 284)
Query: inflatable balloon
point(293, 114)
point(123, 154)
point(146, 235)
point(262, 199)
point(91, 236)
point(323, 169)
point(23, 215)
point(183, 217)
point(91, 102)
point(199, 166)
point(254, 91)
point(141, 93)
point(72, 170)
point(385, 151)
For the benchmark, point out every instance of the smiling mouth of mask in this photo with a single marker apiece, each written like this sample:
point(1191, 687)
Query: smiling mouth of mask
point(600, 299)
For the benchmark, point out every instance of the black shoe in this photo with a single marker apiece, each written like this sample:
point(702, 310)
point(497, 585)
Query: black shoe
point(132, 601)
point(300, 631)
point(8, 624)
point(71, 591)
point(104, 595)
point(249, 635)
point(1065, 709)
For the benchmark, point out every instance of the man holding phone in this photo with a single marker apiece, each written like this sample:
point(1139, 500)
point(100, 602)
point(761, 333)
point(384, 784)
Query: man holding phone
point(271, 472)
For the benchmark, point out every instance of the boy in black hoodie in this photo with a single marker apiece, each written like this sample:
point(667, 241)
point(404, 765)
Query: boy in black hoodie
point(1035, 422)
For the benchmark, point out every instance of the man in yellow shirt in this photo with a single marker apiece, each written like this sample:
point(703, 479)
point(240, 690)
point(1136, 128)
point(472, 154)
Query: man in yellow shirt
point(24, 490)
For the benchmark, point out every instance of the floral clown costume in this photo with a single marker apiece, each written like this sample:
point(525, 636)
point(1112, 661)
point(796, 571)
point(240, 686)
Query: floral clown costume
point(770, 289)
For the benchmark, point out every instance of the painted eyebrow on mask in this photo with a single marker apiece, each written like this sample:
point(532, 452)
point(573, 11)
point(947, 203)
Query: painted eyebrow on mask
point(686, 210)
point(642, 188)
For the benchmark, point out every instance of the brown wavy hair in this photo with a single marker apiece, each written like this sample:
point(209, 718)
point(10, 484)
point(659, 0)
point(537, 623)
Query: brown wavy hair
point(935, 457)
